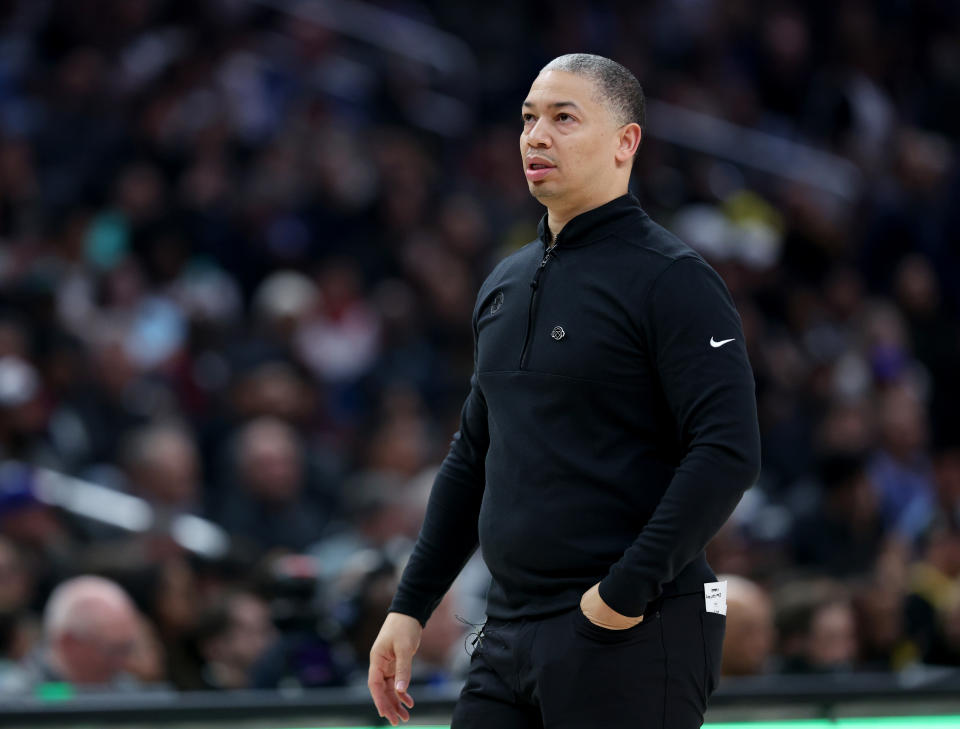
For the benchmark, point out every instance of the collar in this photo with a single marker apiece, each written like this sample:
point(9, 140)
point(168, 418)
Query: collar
point(591, 226)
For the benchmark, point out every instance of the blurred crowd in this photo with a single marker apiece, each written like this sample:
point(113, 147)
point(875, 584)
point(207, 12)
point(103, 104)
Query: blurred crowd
point(238, 256)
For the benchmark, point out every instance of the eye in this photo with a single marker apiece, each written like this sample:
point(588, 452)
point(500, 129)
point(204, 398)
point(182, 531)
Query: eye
point(527, 118)
point(563, 116)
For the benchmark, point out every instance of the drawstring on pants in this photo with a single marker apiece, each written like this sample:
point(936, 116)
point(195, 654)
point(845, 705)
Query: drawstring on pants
point(476, 634)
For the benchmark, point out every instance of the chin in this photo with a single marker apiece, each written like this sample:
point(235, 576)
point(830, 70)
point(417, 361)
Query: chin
point(541, 190)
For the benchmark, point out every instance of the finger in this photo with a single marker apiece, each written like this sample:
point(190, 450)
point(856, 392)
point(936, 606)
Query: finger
point(391, 714)
point(388, 704)
point(394, 710)
point(384, 698)
point(400, 697)
point(401, 711)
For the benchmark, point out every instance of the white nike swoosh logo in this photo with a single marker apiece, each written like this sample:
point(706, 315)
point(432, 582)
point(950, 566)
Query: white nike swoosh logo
point(720, 343)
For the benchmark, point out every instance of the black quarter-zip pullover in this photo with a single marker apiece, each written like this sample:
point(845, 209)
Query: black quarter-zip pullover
point(610, 429)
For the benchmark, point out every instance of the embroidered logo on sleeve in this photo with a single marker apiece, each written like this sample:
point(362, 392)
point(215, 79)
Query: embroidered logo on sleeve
point(715, 596)
point(497, 303)
point(715, 344)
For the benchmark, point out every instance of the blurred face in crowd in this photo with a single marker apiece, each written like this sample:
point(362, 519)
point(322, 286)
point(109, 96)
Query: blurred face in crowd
point(856, 501)
point(880, 615)
point(252, 631)
point(576, 156)
point(848, 427)
point(168, 470)
point(750, 633)
point(271, 460)
point(833, 636)
point(97, 651)
point(903, 426)
point(943, 551)
point(399, 446)
point(273, 389)
point(248, 634)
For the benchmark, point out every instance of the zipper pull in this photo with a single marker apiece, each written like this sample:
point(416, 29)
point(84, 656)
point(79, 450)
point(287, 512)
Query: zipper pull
point(543, 263)
point(546, 254)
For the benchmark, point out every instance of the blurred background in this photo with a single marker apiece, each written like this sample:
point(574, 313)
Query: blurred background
point(239, 247)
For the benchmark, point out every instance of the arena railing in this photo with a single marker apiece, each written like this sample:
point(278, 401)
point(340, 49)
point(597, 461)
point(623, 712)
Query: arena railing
point(771, 697)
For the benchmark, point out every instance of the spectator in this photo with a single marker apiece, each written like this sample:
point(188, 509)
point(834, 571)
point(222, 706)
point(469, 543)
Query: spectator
point(233, 635)
point(382, 512)
point(23, 418)
point(311, 649)
point(901, 471)
point(748, 645)
point(90, 632)
point(39, 533)
point(817, 627)
point(19, 631)
point(844, 536)
point(884, 646)
point(162, 467)
point(934, 593)
point(272, 504)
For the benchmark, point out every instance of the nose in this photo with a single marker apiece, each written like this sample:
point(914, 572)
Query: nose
point(538, 136)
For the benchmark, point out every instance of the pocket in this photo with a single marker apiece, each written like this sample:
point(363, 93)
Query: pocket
point(713, 626)
point(591, 630)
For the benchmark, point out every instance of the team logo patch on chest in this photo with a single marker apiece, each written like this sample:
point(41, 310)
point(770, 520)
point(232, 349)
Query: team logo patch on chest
point(497, 303)
point(558, 333)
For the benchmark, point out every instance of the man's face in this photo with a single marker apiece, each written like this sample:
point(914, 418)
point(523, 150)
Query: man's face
point(569, 138)
point(99, 655)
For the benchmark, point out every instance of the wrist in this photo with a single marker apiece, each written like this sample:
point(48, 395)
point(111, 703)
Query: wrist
point(403, 618)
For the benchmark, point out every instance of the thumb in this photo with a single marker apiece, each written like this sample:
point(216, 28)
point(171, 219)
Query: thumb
point(404, 656)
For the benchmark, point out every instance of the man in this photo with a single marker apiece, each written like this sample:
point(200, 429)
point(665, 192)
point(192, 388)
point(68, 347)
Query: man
point(751, 632)
point(270, 501)
point(90, 631)
point(609, 432)
point(163, 467)
point(233, 635)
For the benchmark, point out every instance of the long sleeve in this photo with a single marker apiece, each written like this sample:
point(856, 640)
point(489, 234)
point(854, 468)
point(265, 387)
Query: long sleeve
point(695, 339)
point(448, 536)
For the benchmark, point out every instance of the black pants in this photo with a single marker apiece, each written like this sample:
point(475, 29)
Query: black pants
point(564, 672)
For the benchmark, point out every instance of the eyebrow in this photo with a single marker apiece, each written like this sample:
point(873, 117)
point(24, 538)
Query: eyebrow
point(554, 105)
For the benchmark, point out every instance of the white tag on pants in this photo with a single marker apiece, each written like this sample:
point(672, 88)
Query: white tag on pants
point(715, 596)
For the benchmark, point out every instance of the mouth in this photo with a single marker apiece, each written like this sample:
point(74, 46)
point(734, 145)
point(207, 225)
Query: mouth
point(536, 169)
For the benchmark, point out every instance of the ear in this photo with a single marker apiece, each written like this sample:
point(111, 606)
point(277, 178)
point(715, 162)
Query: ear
point(628, 141)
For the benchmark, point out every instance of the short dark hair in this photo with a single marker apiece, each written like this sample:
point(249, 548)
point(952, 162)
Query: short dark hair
point(619, 88)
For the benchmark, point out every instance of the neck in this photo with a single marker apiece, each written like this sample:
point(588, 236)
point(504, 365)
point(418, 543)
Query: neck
point(559, 215)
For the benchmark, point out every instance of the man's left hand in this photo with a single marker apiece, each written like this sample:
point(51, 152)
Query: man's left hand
point(599, 613)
